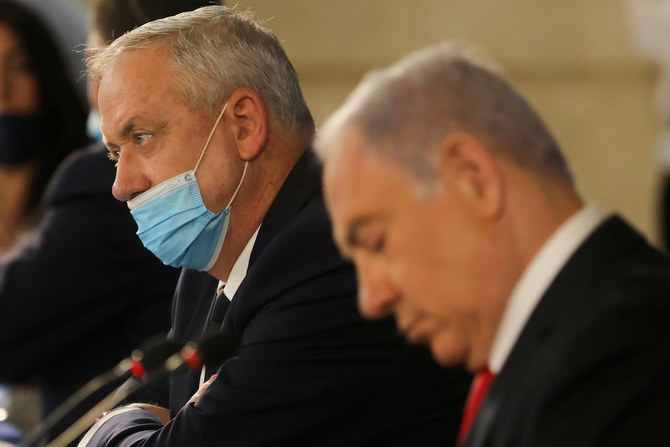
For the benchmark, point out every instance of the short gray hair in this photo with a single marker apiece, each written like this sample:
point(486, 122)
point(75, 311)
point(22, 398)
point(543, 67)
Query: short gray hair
point(216, 50)
point(405, 111)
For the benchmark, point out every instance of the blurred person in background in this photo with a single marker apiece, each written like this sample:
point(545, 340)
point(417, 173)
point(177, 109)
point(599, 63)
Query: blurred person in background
point(66, 317)
point(41, 117)
point(68, 21)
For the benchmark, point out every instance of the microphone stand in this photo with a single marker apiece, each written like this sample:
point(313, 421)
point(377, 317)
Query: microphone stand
point(219, 346)
point(149, 356)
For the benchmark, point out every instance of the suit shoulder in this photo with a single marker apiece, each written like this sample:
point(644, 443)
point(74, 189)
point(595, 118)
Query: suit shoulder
point(306, 239)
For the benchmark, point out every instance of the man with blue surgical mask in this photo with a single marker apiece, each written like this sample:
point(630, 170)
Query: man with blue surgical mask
point(211, 136)
point(81, 229)
point(174, 223)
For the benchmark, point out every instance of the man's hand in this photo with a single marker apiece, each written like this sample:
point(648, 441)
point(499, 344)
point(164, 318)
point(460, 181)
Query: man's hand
point(202, 389)
point(163, 414)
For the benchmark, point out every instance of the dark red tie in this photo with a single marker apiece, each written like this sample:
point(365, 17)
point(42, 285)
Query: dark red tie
point(480, 386)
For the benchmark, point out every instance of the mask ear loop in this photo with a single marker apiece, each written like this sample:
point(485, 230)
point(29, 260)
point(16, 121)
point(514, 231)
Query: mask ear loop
point(202, 154)
point(246, 163)
point(211, 134)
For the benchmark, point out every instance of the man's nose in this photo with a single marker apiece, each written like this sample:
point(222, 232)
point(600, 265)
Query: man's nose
point(377, 295)
point(130, 179)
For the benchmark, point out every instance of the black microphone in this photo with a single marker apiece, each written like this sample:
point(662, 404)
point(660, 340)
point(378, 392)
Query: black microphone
point(151, 354)
point(144, 361)
point(217, 347)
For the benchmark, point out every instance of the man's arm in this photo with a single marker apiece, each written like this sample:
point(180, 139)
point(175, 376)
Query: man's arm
point(309, 369)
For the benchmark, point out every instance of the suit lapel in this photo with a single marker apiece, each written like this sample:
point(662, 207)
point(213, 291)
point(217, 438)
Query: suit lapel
point(302, 183)
point(566, 297)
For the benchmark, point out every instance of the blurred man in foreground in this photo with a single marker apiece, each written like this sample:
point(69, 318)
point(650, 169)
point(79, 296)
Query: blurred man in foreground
point(462, 218)
point(205, 117)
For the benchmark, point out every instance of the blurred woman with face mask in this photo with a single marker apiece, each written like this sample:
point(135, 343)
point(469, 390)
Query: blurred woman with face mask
point(41, 117)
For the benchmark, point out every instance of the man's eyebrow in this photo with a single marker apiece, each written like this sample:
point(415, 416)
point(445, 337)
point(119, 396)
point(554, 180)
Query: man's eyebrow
point(134, 122)
point(108, 144)
point(123, 134)
point(128, 127)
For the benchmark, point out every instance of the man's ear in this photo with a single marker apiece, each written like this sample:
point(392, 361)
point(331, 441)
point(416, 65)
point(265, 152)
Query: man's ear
point(468, 170)
point(249, 120)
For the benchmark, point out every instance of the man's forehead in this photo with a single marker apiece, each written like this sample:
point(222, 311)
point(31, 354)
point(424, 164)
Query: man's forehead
point(359, 178)
point(353, 179)
point(144, 69)
point(354, 160)
point(344, 160)
point(134, 90)
point(119, 115)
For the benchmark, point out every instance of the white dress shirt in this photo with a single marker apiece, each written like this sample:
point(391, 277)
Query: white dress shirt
point(537, 277)
point(239, 270)
point(235, 278)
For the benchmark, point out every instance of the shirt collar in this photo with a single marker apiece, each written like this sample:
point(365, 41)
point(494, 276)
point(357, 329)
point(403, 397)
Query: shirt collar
point(239, 270)
point(537, 277)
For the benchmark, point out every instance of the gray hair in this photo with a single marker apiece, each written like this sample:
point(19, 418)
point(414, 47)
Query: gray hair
point(216, 50)
point(405, 111)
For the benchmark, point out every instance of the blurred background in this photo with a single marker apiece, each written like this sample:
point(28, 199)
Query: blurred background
point(576, 61)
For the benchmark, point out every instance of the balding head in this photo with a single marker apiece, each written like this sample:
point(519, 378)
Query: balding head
point(442, 184)
point(406, 111)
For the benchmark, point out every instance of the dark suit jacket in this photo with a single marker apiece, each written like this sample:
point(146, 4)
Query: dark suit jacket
point(83, 292)
point(309, 370)
point(592, 366)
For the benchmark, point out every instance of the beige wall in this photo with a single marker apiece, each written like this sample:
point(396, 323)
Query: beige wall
point(572, 58)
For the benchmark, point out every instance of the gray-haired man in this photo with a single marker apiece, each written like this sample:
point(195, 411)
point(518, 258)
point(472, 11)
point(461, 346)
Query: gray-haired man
point(459, 212)
point(204, 115)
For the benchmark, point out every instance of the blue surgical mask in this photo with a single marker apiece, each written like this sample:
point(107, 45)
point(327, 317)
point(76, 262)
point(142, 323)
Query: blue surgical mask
point(174, 224)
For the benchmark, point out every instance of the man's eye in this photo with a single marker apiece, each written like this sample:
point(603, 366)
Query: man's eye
point(142, 138)
point(377, 245)
point(113, 154)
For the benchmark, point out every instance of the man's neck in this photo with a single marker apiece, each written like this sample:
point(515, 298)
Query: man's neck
point(266, 176)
